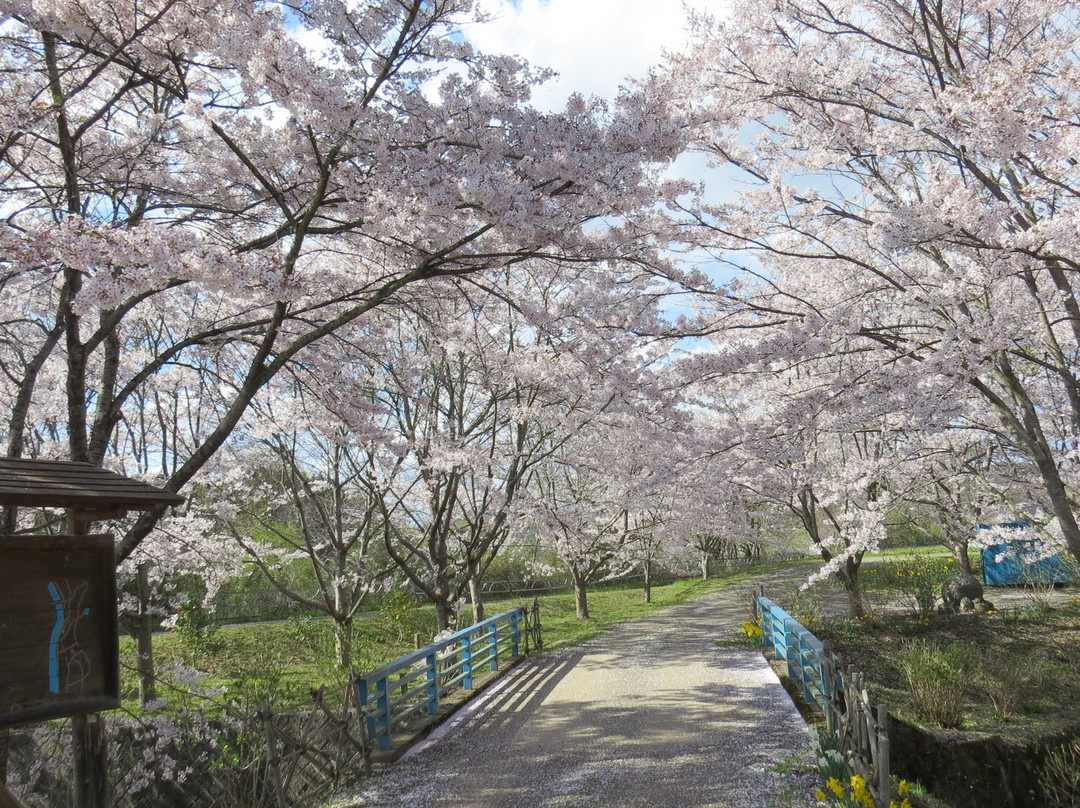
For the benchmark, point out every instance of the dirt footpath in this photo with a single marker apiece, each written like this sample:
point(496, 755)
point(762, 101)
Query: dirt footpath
point(654, 713)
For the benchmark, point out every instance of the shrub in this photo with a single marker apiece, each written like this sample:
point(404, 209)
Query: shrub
point(1007, 685)
point(803, 604)
point(936, 676)
point(397, 609)
point(1059, 776)
point(197, 631)
point(917, 580)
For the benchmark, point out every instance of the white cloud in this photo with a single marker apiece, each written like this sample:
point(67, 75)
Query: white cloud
point(593, 44)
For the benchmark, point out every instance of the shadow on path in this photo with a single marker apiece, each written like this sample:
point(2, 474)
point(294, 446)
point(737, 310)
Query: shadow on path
point(653, 713)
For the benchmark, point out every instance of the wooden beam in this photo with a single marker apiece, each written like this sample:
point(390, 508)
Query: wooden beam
point(88, 732)
point(91, 761)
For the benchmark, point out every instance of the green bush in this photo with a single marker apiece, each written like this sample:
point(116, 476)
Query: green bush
point(803, 604)
point(936, 676)
point(906, 533)
point(198, 632)
point(917, 580)
point(1009, 687)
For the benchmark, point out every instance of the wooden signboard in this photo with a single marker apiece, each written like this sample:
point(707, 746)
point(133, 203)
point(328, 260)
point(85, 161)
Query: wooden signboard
point(59, 647)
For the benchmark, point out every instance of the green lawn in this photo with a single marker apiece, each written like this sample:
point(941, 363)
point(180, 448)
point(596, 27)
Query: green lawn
point(281, 662)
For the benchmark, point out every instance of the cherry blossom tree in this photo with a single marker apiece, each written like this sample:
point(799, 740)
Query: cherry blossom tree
point(465, 428)
point(602, 501)
point(956, 484)
point(191, 187)
point(822, 440)
point(908, 191)
point(303, 502)
point(474, 398)
point(588, 527)
point(186, 545)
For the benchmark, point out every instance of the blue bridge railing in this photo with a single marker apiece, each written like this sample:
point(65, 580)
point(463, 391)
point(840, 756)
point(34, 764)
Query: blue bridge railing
point(840, 691)
point(791, 641)
point(414, 683)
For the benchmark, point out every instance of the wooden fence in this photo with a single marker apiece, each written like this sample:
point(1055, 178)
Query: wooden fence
point(840, 692)
point(414, 684)
point(305, 756)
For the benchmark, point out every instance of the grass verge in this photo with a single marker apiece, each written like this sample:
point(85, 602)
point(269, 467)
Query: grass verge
point(280, 662)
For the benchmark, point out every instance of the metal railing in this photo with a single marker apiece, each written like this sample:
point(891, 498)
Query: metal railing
point(799, 648)
point(415, 683)
point(861, 727)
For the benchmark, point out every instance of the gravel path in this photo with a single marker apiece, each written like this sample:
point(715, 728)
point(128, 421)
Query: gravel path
point(654, 713)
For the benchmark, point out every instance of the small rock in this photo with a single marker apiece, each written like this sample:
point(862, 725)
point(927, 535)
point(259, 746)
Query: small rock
point(961, 593)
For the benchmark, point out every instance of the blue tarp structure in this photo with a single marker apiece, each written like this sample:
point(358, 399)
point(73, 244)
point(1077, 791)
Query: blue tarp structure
point(1022, 560)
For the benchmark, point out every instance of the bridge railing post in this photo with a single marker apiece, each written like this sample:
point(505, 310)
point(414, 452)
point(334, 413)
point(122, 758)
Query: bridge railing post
point(466, 662)
point(415, 683)
point(433, 683)
point(807, 665)
point(382, 720)
point(766, 622)
point(515, 634)
point(791, 646)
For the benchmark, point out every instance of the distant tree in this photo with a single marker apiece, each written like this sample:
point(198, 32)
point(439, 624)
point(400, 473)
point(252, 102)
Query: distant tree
point(303, 501)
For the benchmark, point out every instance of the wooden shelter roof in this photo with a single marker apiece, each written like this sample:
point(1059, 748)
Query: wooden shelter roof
point(78, 486)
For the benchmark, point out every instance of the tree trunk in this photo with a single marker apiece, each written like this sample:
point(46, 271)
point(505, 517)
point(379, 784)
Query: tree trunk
point(960, 555)
point(1027, 429)
point(581, 603)
point(144, 638)
point(704, 566)
point(477, 600)
point(343, 642)
point(849, 577)
point(646, 568)
point(444, 615)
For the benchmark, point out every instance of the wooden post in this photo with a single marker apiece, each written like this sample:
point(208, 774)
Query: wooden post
point(7, 799)
point(88, 730)
point(91, 761)
point(8, 522)
point(883, 772)
point(145, 638)
point(272, 762)
point(539, 637)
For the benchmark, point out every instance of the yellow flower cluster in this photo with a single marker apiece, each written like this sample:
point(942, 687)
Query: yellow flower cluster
point(750, 629)
point(901, 791)
point(859, 795)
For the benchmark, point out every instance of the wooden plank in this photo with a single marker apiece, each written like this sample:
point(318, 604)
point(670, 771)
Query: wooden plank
point(62, 484)
point(28, 664)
